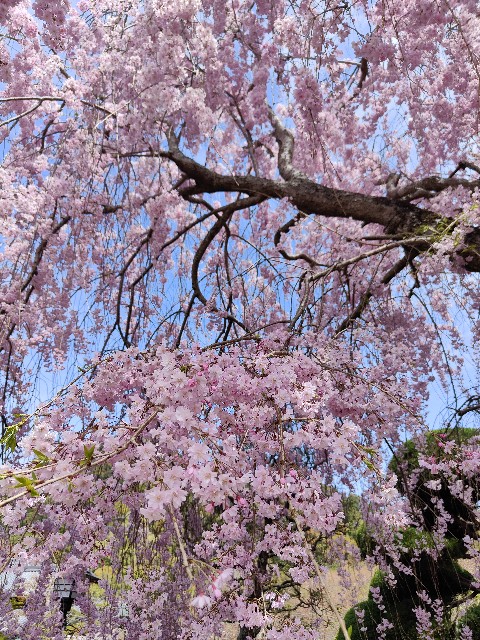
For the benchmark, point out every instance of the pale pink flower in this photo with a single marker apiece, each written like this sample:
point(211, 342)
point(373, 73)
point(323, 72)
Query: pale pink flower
point(201, 601)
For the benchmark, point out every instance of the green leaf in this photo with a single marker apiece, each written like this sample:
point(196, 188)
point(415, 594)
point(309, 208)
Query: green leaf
point(10, 437)
point(23, 481)
point(18, 602)
point(27, 484)
point(42, 458)
point(88, 453)
point(350, 630)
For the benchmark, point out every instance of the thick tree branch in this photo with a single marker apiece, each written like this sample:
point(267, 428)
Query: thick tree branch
point(396, 212)
point(304, 194)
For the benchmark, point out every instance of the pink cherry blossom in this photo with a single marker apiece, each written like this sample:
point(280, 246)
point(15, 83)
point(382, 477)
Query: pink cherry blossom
point(201, 601)
point(239, 249)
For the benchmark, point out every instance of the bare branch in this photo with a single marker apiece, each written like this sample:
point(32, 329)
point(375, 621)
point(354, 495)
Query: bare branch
point(413, 242)
point(430, 186)
point(397, 268)
point(226, 212)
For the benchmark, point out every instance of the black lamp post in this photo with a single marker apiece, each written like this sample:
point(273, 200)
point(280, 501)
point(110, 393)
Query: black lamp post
point(64, 589)
point(91, 577)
